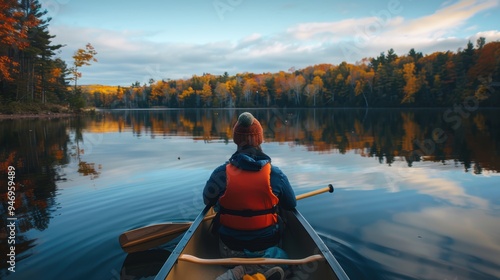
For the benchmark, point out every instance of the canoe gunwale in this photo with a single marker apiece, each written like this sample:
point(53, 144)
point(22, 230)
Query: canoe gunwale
point(174, 256)
point(327, 254)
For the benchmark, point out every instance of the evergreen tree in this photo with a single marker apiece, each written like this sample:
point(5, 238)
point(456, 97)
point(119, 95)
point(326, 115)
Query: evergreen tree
point(38, 56)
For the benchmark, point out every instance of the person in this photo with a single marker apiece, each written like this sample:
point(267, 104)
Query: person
point(246, 193)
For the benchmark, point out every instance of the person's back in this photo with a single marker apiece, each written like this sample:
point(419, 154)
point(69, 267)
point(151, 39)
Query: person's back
point(246, 192)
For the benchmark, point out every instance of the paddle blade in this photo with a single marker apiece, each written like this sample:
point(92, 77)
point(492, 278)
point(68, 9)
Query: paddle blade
point(151, 236)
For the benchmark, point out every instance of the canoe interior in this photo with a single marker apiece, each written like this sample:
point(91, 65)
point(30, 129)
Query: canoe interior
point(297, 243)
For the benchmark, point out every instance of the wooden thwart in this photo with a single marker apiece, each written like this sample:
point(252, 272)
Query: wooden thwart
point(248, 261)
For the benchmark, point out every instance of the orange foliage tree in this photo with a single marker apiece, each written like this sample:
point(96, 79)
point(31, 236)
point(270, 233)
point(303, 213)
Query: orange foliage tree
point(12, 37)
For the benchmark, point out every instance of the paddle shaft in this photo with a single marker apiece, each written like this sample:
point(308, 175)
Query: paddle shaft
point(313, 193)
point(150, 233)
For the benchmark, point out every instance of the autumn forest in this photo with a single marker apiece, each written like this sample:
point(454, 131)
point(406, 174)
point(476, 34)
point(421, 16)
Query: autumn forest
point(30, 72)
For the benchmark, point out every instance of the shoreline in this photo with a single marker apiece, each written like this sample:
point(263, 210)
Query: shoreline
point(35, 116)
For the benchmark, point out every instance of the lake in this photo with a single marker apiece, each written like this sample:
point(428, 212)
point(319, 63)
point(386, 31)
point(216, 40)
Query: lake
point(417, 192)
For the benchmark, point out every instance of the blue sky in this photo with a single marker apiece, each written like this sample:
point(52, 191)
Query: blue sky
point(139, 40)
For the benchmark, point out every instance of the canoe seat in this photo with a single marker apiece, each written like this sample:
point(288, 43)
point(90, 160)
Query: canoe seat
point(246, 261)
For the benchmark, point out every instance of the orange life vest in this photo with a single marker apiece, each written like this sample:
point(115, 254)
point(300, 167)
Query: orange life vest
point(248, 202)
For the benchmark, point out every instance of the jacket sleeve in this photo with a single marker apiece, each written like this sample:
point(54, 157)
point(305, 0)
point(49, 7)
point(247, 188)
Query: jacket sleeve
point(215, 186)
point(282, 189)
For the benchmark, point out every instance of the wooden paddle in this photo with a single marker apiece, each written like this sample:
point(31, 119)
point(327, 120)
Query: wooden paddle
point(154, 235)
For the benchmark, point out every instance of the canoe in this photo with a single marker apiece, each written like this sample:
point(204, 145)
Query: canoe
point(196, 256)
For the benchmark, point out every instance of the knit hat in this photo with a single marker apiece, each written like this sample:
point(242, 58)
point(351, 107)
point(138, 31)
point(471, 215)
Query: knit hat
point(247, 131)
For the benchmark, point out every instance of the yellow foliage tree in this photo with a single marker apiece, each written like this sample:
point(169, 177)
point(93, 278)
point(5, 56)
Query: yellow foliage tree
point(249, 88)
point(186, 93)
point(412, 85)
point(314, 88)
point(206, 94)
point(158, 91)
point(82, 57)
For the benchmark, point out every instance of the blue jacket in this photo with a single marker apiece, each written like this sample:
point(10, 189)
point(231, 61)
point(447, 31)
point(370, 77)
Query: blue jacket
point(249, 159)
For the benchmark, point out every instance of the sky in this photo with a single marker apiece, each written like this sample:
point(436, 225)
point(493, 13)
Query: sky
point(153, 39)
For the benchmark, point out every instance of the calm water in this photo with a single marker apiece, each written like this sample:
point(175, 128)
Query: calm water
point(417, 192)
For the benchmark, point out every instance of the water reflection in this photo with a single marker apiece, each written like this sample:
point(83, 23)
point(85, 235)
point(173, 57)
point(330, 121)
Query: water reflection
point(429, 225)
point(417, 135)
point(37, 149)
point(28, 148)
point(435, 243)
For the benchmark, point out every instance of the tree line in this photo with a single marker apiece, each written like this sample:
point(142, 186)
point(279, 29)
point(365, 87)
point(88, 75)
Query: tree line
point(31, 72)
point(388, 80)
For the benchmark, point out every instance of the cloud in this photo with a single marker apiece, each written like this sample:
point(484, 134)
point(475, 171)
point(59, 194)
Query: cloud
point(331, 30)
point(340, 30)
point(444, 21)
point(443, 236)
point(251, 40)
point(426, 182)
